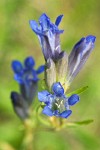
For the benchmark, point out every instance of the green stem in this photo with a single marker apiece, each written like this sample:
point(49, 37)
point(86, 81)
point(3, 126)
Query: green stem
point(28, 142)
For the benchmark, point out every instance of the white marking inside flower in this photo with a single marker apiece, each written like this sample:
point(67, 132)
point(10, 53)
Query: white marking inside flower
point(77, 63)
point(57, 47)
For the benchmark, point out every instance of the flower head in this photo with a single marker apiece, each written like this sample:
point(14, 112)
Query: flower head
point(64, 67)
point(48, 34)
point(27, 77)
point(26, 73)
point(57, 104)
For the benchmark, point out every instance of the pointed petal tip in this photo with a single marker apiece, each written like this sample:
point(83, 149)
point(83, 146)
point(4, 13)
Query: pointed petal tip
point(43, 17)
point(90, 38)
point(44, 14)
point(31, 22)
point(58, 20)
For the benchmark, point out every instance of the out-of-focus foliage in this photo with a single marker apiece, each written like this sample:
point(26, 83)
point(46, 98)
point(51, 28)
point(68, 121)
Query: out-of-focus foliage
point(17, 41)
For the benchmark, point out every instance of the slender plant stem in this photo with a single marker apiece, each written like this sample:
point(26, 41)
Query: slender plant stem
point(28, 142)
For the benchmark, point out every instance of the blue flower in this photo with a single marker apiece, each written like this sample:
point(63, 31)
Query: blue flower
point(64, 67)
point(57, 104)
point(26, 73)
point(27, 77)
point(48, 34)
point(79, 56)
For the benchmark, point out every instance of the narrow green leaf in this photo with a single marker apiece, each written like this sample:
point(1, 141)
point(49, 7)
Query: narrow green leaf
point(75, 124)
point(85, 122)
point(78, 91)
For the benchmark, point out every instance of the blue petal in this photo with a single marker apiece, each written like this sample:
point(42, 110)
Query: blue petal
point(90, 38)
point(44, 22)
point(35, 77)
point(43, 96)
point(18, 78)
point(34, 27)
point(17, 66)
point(58, 89)
point(40, 69)
point(73, 99)
point(58, 20)
point(65, 114)
point(29, 62)
point(47, 111)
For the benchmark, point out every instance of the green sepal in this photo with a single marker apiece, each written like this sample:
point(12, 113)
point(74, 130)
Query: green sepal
point(50, 73)
point(84, 122)
point(78, 91)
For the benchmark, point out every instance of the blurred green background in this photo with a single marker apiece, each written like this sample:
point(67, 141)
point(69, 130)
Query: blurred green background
point(17, 41)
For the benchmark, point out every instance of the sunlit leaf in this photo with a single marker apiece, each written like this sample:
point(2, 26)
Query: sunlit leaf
point(78, 91)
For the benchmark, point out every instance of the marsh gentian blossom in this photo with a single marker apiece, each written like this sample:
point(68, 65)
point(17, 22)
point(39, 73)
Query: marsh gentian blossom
point(48, 34)
point(27, 77)
point(79, 56)
point(26, 73)
point(57, 104)
point(60, 67)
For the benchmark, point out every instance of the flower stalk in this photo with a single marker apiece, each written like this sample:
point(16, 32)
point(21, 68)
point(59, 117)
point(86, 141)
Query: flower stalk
point(29, 135)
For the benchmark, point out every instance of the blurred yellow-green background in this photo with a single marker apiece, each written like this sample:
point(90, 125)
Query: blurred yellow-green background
point(17, 41)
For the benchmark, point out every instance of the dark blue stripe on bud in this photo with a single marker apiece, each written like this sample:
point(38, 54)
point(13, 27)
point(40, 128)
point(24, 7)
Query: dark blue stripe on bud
point(90, 38)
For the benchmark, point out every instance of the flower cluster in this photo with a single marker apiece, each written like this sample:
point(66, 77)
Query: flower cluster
point(61, 68)
point(27, 77)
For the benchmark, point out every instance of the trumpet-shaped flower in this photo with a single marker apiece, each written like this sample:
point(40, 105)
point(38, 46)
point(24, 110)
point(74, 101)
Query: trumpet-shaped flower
point(26, 73)
point(57, 104)
point(48, 34)
point(27, 77)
